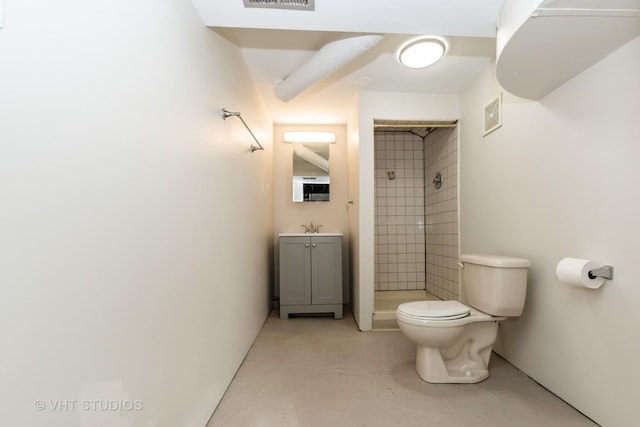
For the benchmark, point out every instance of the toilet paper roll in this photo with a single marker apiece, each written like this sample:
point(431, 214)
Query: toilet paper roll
point(575, 272)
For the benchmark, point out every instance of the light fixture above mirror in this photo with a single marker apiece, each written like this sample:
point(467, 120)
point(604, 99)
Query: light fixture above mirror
point(310, 137)
point(422, 52)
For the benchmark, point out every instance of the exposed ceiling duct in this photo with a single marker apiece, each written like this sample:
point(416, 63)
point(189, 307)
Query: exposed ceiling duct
point(327, 60)
point(311, 157)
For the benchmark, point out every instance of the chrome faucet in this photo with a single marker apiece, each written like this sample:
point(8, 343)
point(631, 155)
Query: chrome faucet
point(311, 228)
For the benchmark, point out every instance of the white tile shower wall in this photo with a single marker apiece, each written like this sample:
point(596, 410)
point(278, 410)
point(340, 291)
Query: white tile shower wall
point(441, 155)
point(399, 210)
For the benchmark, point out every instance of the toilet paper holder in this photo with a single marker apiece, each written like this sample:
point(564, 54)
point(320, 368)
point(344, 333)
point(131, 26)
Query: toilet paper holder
point(605, 272)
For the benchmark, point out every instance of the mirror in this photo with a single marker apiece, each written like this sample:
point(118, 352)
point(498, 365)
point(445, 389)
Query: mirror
point(310, 172)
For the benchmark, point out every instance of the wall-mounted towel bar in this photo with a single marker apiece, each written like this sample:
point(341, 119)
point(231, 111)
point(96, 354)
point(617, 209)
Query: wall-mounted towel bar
point(226, 113)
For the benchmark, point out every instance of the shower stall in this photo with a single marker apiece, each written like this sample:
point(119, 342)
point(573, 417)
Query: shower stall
point(416, 215)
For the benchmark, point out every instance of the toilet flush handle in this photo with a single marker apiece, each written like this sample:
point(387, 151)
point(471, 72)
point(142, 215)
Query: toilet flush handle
point(460, 264)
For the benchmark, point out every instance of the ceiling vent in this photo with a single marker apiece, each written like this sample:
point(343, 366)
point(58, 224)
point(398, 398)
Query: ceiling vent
point(281, 4)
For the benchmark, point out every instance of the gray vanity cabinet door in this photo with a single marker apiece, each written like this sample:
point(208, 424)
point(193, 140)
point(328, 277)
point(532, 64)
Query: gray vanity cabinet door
point(326, 270)
point(295, 271)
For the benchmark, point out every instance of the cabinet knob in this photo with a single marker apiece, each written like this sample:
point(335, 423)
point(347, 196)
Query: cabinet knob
point(314, 245)
point(306, 245)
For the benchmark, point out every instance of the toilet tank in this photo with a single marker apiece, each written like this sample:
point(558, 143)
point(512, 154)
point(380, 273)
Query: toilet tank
point(495, 284)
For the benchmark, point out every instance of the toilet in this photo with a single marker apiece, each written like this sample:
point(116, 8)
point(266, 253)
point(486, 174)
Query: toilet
point(453, 340)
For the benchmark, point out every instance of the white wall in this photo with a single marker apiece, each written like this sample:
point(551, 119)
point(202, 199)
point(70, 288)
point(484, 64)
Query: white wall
point(332, 215)
point(353, 169)
point(130, 213)
point(385, 106)
point(560, 178)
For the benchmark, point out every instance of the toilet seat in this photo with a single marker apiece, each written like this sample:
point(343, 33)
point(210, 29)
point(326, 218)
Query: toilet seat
point(434, 310)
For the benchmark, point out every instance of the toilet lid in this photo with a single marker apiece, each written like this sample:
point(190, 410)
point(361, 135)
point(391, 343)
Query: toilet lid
point(436, 310)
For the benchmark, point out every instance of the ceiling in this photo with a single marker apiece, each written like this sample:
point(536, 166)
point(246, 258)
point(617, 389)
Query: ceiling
point(275, 42)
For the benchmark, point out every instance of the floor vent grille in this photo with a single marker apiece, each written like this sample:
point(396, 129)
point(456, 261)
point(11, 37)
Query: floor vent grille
point(281, 4)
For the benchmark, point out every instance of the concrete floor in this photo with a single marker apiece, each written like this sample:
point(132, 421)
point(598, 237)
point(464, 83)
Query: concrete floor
point(317, 371)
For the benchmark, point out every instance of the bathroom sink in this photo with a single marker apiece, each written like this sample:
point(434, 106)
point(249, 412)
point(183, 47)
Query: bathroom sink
point(309, 234)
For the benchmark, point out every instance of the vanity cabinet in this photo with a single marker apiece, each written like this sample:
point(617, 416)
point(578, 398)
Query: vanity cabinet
point(310, 275)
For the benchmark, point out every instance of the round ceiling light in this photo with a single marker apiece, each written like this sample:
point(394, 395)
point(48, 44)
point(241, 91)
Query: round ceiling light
point(422, 52)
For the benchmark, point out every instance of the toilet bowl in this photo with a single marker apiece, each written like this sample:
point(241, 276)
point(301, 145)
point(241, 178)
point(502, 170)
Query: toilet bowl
point(453, 340)
point(449, 349)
